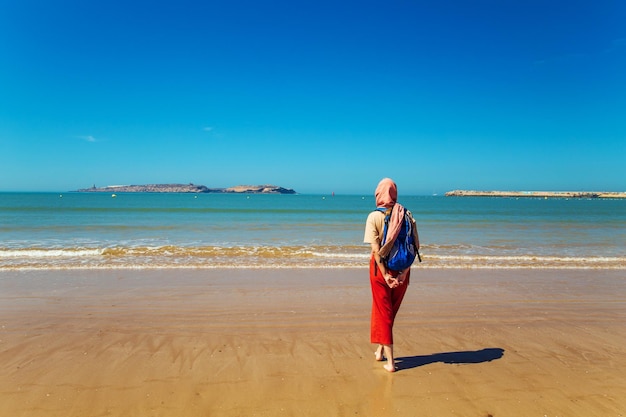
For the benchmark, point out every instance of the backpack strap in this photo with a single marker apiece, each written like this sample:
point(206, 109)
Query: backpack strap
point(411, 221)
point(387, 212)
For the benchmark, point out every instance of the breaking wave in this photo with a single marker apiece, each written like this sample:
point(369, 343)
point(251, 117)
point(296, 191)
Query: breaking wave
point(207, 257)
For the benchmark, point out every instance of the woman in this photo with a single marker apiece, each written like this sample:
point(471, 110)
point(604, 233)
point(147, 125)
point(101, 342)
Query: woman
point(388, 286)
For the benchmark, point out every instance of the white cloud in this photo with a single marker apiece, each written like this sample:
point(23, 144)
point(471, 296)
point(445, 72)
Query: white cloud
point(88, 138)
point(207, 129)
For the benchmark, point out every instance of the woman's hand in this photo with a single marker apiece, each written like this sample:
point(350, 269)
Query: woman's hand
point(391, 281)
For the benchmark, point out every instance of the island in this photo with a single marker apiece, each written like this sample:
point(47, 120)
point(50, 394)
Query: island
point(187, 188)
point(537, 194)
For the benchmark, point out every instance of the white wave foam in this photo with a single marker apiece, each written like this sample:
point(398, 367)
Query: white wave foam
point(526, 258)
point(49, 253)
point(341, 255)
point(254, 257)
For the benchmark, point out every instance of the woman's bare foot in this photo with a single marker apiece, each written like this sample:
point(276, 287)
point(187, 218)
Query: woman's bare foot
point(388, 352)
point(389, 367)
point(378, 355)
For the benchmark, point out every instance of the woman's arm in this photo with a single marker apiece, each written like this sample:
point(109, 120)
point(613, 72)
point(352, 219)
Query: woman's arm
point(391, 281)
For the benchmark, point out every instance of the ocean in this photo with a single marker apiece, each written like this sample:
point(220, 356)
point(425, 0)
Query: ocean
point(145, 231)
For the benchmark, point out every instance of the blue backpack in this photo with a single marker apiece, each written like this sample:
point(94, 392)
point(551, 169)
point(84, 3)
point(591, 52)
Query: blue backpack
point(404, 250)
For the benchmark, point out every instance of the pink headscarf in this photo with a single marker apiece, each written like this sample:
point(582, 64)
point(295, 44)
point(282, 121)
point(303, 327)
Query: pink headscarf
point(387, 196)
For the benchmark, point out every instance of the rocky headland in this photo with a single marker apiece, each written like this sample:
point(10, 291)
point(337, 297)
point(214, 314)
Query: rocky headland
point(537, 194)
point(187, 188)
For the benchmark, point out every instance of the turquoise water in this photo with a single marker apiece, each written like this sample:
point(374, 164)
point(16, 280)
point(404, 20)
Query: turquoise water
point(137, 230)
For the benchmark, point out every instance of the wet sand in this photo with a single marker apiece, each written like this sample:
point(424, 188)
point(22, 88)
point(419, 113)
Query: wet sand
point(296, 343)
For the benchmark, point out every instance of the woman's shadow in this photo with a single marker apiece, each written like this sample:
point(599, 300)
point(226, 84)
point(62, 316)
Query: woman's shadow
point(477, 356)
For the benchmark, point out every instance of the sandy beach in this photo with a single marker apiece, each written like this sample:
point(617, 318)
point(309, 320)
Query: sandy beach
point(295, 342)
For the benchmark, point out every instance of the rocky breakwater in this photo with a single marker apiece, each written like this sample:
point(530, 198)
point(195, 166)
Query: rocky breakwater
point(537, 194)
point(187, 188)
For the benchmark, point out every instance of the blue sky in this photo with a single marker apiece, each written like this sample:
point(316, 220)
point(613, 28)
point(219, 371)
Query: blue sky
point(318, 96)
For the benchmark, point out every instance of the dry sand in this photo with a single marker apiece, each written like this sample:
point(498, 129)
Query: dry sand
point(296, 343)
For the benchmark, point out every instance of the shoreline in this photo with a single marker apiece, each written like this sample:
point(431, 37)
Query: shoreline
point(296, 342)
point(290, 257)
point(617, 266)
point(537, 194)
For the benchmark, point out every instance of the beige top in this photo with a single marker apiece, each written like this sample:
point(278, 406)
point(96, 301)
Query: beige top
point(374, 226)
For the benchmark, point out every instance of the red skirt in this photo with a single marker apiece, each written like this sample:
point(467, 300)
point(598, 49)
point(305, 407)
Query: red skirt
point(385, 304)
